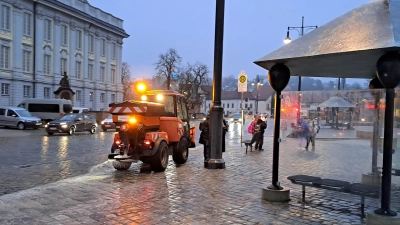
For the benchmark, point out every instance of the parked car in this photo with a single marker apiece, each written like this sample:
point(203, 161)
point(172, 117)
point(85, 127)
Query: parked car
point(47, 109)
point(18, 117)
point(80, 110)
point(71, 123)
point(236, 118)
point(107, 123)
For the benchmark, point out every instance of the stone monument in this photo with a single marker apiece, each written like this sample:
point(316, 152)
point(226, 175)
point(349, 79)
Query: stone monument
point(65, 91)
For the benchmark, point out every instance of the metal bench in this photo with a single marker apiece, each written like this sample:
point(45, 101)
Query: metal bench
point(247, 144)
point(395, 172)
point(336, 185)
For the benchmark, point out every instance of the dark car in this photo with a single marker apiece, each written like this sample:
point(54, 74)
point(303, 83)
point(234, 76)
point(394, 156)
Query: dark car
point(237, 118)
point(71, 123)
point(108, 123)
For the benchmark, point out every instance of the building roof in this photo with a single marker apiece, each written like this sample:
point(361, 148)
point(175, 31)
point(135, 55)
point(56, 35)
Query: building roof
point(67, 8)
point(264, 91)
point(348, 46)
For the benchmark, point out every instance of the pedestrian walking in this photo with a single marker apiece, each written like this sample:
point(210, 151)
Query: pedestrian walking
point(283, 130)
point(314, 129)
point(258, 136)
point(225, 127)
point(302, 132)
point(205, 137)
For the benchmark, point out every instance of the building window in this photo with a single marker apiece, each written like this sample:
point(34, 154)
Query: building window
point(63, 65)
point(90, 70)
point(64, 35)
point(113, 74)
point(26, 61)
point(102, 97)
point(103, 47)
point(46, 64)
point(79, 39)
point(245, 105)
point(5, 89)
point(114, 50)
point(102, 72)
point(91, 96)
point(47, 30)
point(91, 43)
point(233, 105)
point(223, 105)
point(78, 70)
point(5, 57)
point(251, 105)
point(27, 24)
point(46, 92)
point(5, 17)
point(112, 98)
point(78, 95)
point(227, 105)
point(27, 91)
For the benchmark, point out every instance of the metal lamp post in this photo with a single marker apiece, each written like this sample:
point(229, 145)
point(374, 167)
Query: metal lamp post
point(216, 117)
point(259, 82)
point(302, 30)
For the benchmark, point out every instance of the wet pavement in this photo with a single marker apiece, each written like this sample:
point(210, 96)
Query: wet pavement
point(186, 194)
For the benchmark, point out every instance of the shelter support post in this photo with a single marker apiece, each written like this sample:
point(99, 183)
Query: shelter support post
point(387, 156)
point(278, 77)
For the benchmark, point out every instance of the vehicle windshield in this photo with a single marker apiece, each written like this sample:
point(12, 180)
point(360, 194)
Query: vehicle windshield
point(23, 113)
point(67, 117)
point(237, 116)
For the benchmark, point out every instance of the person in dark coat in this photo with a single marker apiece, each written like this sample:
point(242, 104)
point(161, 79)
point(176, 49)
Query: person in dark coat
point(205, 137)
point(258, 136)
point(225, 127)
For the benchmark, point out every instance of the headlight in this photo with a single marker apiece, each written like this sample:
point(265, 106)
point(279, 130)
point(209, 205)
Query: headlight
point(240, 119)
point(64, 126)
point(47, 124)
point(63, 123)
point(204, 118)
point(102, 122)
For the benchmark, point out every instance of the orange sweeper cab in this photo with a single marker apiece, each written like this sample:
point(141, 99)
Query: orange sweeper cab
point(150, 130)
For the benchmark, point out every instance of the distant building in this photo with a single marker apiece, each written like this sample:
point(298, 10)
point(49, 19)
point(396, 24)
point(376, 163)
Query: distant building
point(42, 39)
point(231, 100)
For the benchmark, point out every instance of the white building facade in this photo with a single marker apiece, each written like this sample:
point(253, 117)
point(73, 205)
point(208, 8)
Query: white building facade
point(42, 39)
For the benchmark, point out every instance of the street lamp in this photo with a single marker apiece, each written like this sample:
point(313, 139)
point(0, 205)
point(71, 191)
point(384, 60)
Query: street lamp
point(302, 30)
point(259, 82)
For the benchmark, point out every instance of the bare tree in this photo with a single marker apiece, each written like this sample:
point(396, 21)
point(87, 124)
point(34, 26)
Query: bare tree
point(190, 81)
point(166, 65)
point(127, 82)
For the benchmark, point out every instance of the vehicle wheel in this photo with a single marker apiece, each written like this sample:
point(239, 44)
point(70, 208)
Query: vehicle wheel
point(71, 130)
point(104, 129)
point(21, 126)
point(93, 130)
point(159, 161)
point(181, 151)
point(121, 165)
point(50, 133)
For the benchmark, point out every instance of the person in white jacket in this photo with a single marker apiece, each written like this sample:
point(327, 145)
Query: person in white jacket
point(314, 129)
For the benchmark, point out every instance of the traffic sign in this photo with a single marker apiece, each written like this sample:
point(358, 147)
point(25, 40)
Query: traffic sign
point(174, 75)
point(242, 82)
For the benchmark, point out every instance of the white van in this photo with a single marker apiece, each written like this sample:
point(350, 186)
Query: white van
point(47, 109)
point(80, 110)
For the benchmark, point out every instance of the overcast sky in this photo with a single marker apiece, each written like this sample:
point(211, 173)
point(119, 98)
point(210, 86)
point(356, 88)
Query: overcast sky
point(253, 28)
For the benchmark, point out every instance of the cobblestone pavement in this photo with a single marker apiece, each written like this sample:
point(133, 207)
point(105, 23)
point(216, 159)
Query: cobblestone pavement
point(191, 194)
